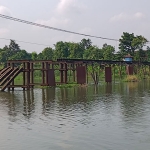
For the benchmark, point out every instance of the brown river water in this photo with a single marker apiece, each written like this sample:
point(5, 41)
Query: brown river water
point(105, 117)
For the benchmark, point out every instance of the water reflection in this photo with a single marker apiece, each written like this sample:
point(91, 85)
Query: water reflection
point(108, 89)
point(130, 95)
point(109, 116)
point(129, 98)
point(28, 103)
point(134, 103)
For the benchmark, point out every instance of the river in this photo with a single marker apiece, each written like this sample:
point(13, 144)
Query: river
point(105, 117)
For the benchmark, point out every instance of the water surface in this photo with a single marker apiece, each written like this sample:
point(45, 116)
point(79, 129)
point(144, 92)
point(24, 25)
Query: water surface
point(108, 117)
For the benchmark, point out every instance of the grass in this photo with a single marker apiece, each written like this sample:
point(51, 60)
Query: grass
point(131, 78)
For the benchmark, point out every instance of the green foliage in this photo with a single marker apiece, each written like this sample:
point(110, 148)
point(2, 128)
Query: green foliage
point(93, 70)
point(129, 43)
point(34, 56)
point(85, 44)
point(47, 54)
point(61, 50)
point(108, 52)
point(75, 50)
point(139, 55)
point(21, 55)
point(93, 52)
point(8, 51)
point(131, 78)
point(13, 46)
point(148, 53)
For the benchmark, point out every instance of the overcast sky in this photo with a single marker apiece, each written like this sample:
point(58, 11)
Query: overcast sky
point(105, 18)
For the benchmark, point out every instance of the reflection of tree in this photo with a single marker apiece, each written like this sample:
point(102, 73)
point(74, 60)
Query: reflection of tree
point(108, 89)
point(48, 97)
point(72, 96)
point(132, 103)
point(9, 100)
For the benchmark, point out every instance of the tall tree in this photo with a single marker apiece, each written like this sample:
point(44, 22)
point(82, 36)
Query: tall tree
point(21, 55)
point(75, 50)
point(47, 53)
point(108, 52)
point(34, 56)
point(148, 53)
point(13, 46)
point(85, 44)
point(129, 43)
point(5, 54)
point(93, 52)
point(61, 50)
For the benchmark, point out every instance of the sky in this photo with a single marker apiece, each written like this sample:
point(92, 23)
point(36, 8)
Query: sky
point(104, 18)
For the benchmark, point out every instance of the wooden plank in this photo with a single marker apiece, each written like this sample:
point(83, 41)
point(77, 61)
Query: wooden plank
point(3, 70)
point(11, 73)
point(11, 79)
point(5, 74)
point(108, 74)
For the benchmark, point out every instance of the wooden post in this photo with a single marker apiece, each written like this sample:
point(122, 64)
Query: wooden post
point(61, 73)
point(13, 66)
point(24, 76)
point(114, 72)
point(47, 72)
point(108, 74)
point(65, 72)
point(43, 73)
point(87, 74)
point(31, 73)
point(73, 70)
point(28, 75)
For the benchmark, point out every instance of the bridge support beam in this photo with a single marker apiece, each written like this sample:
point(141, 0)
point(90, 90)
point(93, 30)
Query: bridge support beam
point(81, 74)
point(129, 70)
point(108, 74)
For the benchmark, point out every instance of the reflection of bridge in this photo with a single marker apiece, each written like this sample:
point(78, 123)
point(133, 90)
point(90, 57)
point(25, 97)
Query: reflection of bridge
point(47, 69)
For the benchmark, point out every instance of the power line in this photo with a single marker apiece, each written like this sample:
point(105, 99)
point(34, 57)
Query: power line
point(53, 28)
point(26, 42)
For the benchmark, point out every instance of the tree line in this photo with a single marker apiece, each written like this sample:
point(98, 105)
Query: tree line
point(128, 44)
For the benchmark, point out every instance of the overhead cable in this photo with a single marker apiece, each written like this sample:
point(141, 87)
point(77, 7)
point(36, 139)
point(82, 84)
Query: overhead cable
point(26, 42)
point(53, 28)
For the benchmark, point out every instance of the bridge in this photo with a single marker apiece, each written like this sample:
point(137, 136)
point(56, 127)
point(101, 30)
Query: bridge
point(47, 69)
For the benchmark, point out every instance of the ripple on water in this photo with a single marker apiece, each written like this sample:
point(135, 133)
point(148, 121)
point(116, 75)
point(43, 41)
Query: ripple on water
point(106, 117)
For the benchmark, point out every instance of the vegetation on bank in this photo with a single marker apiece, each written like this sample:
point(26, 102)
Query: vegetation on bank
point(131, 78)
point(128, 44)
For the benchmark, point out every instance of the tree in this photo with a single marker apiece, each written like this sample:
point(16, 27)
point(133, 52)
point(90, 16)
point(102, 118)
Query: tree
point(40, 56)
point(14, 47)
point(21, 55)
point(108, 52)
point(4, 54)
point(85, 44)
point(148, 53)
point(129, 43)
point(34, 56)
point(75, 51)
point(61, 50)
point(93, 52)
point(47, 53)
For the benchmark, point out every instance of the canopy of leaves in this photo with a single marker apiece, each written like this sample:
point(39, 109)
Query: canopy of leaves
point(108, 52)
point(129, 43)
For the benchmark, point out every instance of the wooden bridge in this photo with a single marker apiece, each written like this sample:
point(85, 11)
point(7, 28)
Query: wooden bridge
point(7, 75)
point(47, 68)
